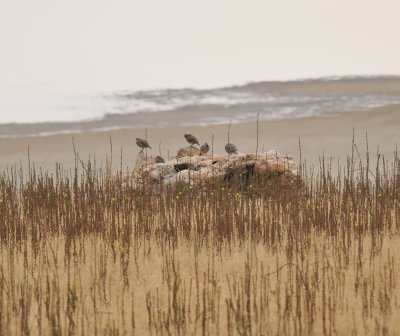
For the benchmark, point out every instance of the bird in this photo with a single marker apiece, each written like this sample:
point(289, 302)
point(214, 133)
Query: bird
point(204, 149)
point(142, 143)
point(230, 148)
point(159, 159)
point(191, 139)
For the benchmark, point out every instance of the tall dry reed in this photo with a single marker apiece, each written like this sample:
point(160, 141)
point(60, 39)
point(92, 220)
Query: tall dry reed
point(88, 252)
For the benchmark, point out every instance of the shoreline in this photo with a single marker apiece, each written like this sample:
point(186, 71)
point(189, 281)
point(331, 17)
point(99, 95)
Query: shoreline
point(65, 112)
point(330, 136)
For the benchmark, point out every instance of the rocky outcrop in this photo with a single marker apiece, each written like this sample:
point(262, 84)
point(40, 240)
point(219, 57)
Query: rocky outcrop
point(188, 151)
point(196, 168)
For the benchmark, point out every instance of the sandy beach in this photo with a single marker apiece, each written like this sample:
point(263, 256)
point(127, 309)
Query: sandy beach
point(330, 136)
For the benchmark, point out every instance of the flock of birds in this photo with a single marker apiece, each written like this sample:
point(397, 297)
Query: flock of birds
point(230, 148)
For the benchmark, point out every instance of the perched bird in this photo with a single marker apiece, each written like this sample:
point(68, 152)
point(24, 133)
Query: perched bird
point(230, 148)
point(159, 159)
point(191, 139)
point(204, 149)
point(142, 143)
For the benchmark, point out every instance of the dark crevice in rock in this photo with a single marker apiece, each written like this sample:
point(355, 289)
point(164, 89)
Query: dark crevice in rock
point(183, 166)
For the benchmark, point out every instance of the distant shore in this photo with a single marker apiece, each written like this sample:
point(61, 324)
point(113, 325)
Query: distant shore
point(330, 136)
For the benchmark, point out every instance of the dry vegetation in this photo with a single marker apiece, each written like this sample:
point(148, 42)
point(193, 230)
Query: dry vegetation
point(84, 253)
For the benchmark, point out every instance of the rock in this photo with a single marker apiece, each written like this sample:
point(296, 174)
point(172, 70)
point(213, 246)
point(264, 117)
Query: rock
point(237, 162)
point(216, 157)
point(156, 171)
point(205, 163)
point(262, 167)
point(188, 160)
point(193, 162)
point(141, 160)
point(251, 157)
point(161, 170)
point(281, 165)
point(196, 168)
point(188, 151)
point(183, 176)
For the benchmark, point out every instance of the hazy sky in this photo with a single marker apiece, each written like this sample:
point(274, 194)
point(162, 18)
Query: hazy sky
point(194, 43)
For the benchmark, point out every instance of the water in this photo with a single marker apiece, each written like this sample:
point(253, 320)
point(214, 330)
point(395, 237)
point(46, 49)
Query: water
point(48, 110)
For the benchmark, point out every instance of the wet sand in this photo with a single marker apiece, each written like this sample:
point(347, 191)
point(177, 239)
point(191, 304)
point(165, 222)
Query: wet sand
point(329, 136)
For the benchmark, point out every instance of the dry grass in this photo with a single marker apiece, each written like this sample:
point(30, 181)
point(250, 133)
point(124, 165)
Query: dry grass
point(86, 253)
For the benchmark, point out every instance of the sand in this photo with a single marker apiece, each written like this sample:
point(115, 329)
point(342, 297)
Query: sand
point(343, 85)
point(329, 136)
